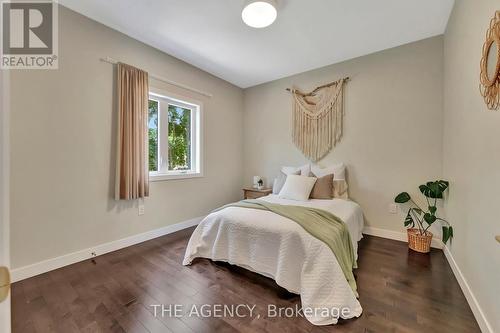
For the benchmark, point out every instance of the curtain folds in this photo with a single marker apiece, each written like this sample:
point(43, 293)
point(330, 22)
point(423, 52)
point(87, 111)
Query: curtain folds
point(132, 172)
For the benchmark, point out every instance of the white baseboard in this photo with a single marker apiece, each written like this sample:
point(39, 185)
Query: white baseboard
point(25, 272)
point(469, 295)
point(396, 235)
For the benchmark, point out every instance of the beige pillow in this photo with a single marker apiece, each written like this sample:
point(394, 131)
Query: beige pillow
point(323, 188)
point(339, 182)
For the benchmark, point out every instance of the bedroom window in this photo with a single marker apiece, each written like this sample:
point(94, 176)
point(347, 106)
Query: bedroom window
point(174, 135)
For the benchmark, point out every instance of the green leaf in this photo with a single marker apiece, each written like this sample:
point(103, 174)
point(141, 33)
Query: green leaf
point(434, 190)
point(429, 218)
point(425, 190)
point(447, 234)
point(418, 210)
point(443, 185)
point(402, 198)
point(432, 210)
point(409, 220)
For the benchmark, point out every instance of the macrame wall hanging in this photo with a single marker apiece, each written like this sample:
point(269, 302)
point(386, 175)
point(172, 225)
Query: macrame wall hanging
point(317, 119)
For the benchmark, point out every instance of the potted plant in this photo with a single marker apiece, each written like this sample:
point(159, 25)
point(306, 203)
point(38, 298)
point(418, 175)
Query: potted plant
point(419, 236)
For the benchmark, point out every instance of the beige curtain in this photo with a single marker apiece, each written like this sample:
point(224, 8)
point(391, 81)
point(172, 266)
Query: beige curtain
point(132, 173)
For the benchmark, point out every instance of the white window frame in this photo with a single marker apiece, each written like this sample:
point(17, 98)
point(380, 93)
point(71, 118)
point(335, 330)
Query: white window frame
point(165, 98)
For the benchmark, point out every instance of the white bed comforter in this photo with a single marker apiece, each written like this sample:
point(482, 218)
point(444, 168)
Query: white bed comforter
point(279, 248)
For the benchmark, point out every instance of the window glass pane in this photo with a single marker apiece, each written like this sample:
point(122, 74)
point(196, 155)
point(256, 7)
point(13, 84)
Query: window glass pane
point(179, 138)
point(153, 135)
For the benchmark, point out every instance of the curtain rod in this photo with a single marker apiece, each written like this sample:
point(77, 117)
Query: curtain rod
point(159, 78)
point(317, 88)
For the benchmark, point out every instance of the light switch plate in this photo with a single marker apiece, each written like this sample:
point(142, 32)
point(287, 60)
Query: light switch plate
point(141, 209)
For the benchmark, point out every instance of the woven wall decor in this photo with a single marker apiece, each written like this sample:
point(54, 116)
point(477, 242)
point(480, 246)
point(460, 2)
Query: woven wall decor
point(317, 119)
point(489, 85)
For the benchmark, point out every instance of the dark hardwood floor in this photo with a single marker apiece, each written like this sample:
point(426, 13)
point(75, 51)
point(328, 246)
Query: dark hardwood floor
point(400, 291)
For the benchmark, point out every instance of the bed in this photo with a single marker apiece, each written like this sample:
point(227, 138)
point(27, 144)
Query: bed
point(279, 248)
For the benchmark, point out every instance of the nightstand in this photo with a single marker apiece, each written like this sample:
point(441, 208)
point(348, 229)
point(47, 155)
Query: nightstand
point(253, 193)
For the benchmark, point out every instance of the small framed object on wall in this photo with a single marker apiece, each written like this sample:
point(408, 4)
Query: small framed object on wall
point(490, 65)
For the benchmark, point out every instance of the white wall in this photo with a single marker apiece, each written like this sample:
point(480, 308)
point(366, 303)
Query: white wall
point(63, 136)
point(392, 127)
point(4, 190)
point(472, 156)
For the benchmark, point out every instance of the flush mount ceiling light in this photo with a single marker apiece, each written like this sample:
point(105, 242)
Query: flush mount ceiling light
point(259, 13)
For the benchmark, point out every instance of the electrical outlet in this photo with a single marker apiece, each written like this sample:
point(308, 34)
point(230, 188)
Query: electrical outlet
point(141, 209)
point(393, 208)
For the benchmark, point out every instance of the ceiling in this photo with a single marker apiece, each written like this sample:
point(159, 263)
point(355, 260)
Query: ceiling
point(307, 33)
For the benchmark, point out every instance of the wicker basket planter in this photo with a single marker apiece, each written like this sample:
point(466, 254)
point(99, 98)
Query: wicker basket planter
point(418, 242)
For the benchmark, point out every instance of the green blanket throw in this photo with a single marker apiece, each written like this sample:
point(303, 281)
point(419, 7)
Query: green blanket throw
point(321, 224)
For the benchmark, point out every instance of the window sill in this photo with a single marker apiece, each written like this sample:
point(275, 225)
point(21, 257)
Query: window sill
point(159, 177)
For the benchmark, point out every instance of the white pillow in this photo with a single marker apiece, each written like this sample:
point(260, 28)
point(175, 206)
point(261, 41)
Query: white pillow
point(339, 182)
point(280, 181)
point(338, 171)
point(304, 170)
point(297, 187)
